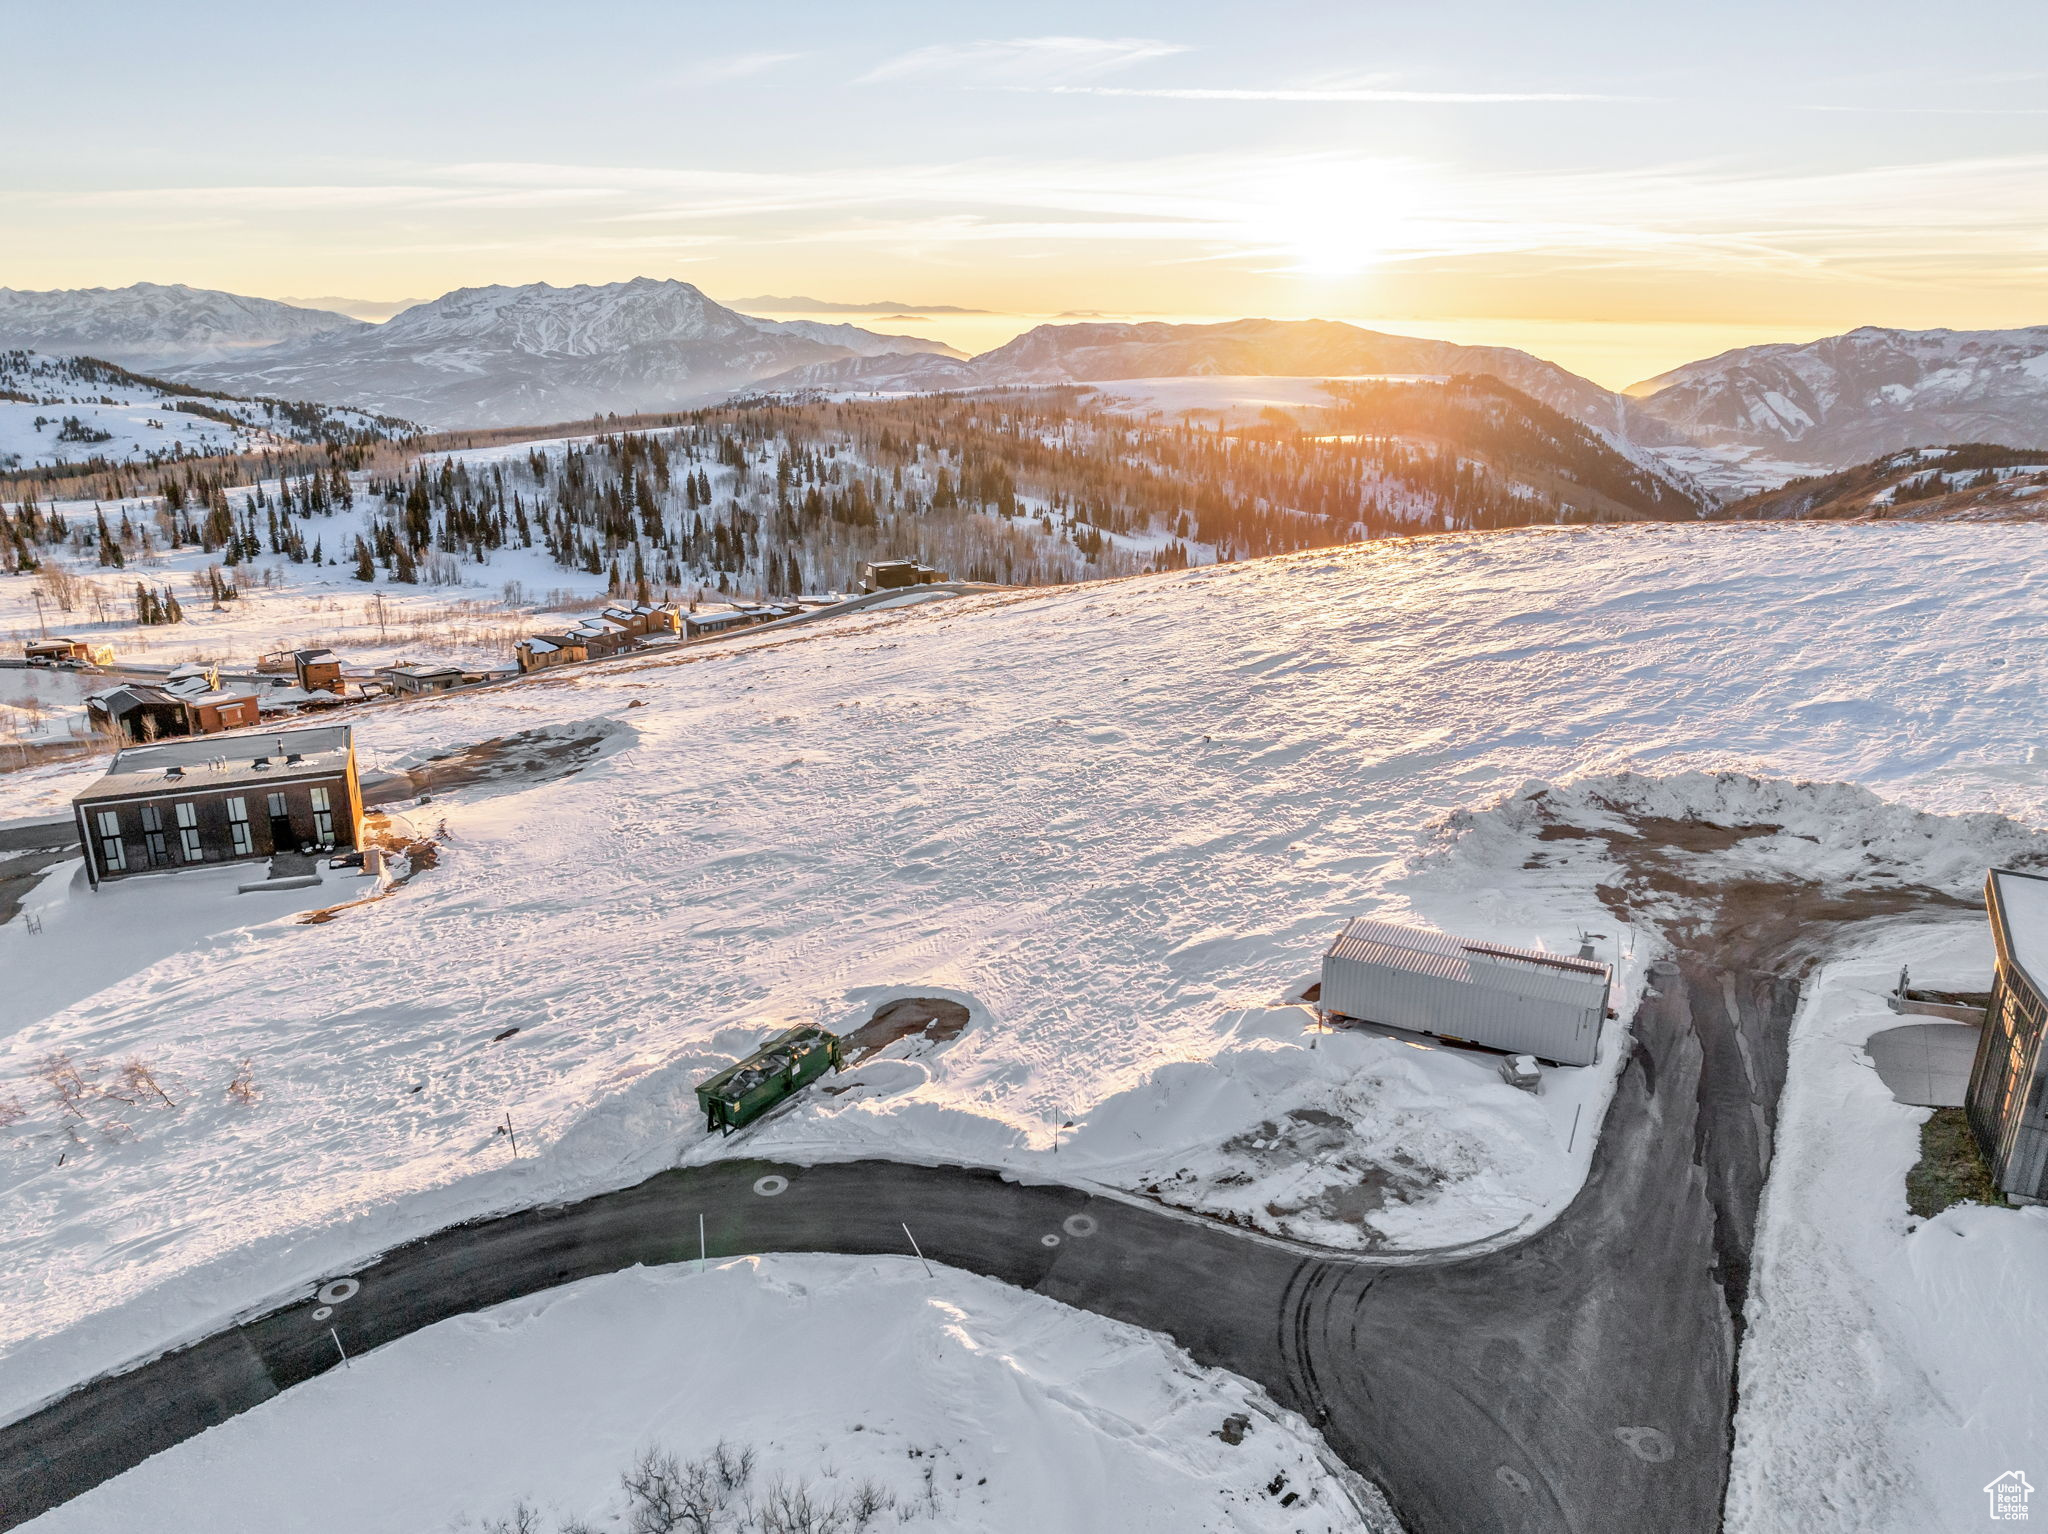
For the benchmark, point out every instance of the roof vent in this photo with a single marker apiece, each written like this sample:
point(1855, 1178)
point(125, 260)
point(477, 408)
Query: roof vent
point(174, 772)
point(293, 760)
point(261, 764)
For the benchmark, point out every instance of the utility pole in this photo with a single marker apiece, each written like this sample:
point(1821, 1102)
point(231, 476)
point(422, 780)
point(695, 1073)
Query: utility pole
point(42, 627)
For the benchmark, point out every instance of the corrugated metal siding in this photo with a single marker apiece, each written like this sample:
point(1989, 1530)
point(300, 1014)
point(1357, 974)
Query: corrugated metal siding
point(1430, 982)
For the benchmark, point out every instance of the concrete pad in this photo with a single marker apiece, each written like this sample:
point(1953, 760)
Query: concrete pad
point(1925, 1064)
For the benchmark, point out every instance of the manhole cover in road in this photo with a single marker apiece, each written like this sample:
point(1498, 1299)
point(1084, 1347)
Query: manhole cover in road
point(1512, 1479)
point(770, 1185)
point(323, 1312)
point(341, 1289)
point(1647, 1443)
point(1079, 1224)
point(1048, 1239)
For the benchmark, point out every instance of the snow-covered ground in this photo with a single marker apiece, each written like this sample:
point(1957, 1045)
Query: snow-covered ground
point(472, 617)
point(975, 1408)
point(1892, 1368)
point(50, 417)
point(1118, 821)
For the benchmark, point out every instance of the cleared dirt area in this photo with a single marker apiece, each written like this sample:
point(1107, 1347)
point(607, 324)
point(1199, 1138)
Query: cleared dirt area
point(932, 1019)
point(529, 757)
point(1744, 943)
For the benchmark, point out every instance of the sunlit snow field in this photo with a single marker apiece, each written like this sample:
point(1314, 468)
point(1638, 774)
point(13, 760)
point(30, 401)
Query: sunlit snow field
point(1120, 820)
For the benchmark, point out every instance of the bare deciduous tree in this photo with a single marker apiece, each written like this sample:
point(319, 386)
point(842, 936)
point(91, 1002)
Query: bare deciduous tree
point(139, 1082)
point(67, 1081)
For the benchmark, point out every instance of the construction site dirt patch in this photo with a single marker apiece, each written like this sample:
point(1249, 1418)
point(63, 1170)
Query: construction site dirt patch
point(931, 1019)
point(531, 756)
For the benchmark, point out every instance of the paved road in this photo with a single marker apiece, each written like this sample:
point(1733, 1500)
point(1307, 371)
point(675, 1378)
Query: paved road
point(1579, 1382)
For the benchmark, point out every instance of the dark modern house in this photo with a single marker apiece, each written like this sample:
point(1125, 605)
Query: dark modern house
point(894, 574)
point(2008, 1099)
point(188, 802)
point(410, 677)
point(724, 620)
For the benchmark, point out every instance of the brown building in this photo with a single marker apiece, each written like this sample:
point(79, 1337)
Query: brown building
point(602, 637)
point(319, 670)
point(139, 712)
point(640, 618)
point(50, 652)
point(190, 802)
point(221, 708)
point(544, 650)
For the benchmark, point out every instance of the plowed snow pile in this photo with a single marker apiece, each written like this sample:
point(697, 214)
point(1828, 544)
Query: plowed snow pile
point(1117, 822)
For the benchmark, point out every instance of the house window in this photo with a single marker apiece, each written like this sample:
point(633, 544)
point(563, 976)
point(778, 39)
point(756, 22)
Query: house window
point(188, 831)
point(323, 818)
point(276, 805)
point(238, 827)
point(113, 856)
point(153, 835)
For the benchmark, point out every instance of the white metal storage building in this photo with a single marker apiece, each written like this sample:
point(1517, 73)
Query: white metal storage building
point(1515, 999)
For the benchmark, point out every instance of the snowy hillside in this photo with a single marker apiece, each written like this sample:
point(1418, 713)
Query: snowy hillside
point(501, 356)
point(152, 326)
point(1116, 823)
point(79, 411)
point(971, 1407)
point(1298, 348)
point(1835, 402)
point(1977, 483)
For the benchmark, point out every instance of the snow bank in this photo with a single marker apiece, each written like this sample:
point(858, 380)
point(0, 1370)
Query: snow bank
point(1120, 821)
point(1892, 1367)
point(980, 1408)
point(1837, 834)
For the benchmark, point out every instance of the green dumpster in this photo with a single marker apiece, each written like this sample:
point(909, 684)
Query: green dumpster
point(741, 1093)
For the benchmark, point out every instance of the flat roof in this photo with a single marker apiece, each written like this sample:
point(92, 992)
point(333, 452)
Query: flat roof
point(2022, 909)
point(1497, 966)
point(223, 761)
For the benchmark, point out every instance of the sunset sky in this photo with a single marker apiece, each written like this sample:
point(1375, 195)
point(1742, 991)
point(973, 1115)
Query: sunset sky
point(1617, 186)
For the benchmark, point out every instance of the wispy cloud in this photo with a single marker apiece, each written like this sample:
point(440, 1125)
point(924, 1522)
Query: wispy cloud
point(1324, 93)
point(736, 66)
point(1021, 60)
point(1930, 111)
point(1256, 212)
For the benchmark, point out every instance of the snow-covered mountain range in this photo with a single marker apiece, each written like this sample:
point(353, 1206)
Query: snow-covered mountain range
point(1844, 399)
point(156, 325)
point(502, 356)
point(1737, 424)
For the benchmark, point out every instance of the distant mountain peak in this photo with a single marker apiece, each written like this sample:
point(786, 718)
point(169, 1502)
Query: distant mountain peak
point(1845, 399)
point(155, 325)
point(533, 352)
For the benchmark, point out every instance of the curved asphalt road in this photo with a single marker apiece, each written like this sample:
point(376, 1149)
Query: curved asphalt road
point(1579, 1382)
